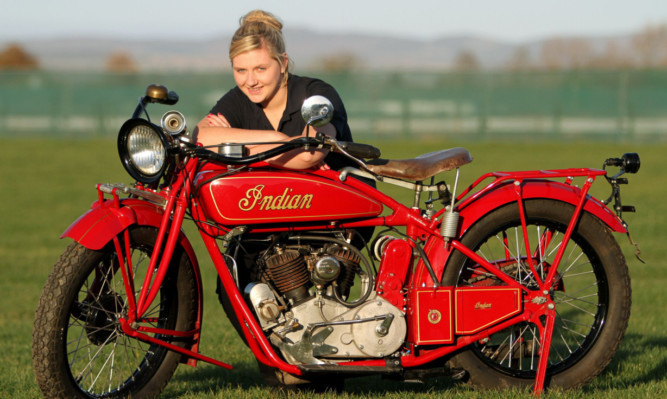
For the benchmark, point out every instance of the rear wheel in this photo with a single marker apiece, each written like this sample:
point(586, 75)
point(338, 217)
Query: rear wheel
point(592, 295)
point(79, 349)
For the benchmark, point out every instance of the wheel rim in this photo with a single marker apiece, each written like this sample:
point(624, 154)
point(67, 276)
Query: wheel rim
point(580, 295)
point(102, 360)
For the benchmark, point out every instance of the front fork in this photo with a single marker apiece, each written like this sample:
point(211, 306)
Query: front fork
point(135, 324)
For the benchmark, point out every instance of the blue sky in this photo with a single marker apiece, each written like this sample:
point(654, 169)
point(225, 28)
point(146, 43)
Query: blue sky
point(508, 20)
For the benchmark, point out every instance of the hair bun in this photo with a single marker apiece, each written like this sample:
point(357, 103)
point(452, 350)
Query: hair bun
point(261, 17)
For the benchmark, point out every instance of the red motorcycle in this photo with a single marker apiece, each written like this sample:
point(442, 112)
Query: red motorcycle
point(515, 281)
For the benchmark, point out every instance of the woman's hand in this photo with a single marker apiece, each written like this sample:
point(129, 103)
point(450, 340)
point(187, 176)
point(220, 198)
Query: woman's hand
point(217, 120)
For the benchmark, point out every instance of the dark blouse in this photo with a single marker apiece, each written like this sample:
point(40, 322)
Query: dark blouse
point(242, 113)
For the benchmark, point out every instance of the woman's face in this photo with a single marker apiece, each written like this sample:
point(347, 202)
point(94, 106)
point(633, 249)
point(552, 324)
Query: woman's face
point(258, 75)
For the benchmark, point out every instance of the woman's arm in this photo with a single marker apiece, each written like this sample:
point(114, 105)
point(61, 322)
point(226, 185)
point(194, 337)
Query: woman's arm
point(214, 129)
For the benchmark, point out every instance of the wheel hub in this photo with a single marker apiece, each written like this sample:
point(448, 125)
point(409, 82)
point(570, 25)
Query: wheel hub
point(102, 325)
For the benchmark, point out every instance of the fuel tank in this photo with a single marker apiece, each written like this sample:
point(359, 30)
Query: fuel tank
point(261, 197)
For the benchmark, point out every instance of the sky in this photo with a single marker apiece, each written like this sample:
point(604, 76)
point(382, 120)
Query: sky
point(507, 20)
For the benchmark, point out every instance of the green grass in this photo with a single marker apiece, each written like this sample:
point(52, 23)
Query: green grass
point(46, 184)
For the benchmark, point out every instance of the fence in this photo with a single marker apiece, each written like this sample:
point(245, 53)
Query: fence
point(613, 105)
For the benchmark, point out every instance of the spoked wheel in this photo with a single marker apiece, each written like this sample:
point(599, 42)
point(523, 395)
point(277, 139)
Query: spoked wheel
point(591, 294)
point(79, 348)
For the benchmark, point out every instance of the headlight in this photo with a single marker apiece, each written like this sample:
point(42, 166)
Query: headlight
point(143, 150)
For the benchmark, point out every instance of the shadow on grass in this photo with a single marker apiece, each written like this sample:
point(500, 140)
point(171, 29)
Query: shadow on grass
point(631, 364)
point(245, 376)
point(206, 379)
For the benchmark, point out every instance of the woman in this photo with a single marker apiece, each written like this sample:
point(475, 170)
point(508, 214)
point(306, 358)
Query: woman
point(265, 105)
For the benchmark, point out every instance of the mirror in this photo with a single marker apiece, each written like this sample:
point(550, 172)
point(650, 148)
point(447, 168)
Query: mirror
point(317, 111)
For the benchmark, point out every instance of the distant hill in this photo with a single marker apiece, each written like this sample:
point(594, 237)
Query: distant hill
point(308, 49)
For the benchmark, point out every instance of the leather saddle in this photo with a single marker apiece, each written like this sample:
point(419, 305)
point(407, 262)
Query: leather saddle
point(421, 167)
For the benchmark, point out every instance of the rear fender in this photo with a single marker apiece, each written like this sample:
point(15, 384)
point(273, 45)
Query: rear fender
point(475, 208)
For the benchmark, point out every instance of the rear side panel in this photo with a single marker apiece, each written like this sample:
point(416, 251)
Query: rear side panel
point(437, 315)
point(480, 308)
point(430, 316)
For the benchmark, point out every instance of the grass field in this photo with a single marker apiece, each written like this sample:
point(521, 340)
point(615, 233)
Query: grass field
point(46, 184)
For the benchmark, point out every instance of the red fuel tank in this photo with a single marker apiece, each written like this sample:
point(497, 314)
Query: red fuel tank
point(259, 197)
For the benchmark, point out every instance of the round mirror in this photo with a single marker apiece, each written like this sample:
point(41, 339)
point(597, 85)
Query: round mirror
point(317, 111)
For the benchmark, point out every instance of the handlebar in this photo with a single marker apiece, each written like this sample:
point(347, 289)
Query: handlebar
point(172, 98)
point(358, 150)
point(204, 153)
point(355, 150)
point(629, 162)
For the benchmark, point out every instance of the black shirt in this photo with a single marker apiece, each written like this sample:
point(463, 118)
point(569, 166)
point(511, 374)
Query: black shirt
point(242, 113)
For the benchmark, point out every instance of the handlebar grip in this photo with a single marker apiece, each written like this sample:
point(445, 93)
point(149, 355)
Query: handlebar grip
point(613, 162)
point(358, 150)
point(172, 98)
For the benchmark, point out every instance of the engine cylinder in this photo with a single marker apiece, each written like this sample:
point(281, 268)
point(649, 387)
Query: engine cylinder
point(350, 262)
point(288, 272)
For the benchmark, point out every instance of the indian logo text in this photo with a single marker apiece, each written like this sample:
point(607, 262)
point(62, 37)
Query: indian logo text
point(256, 199)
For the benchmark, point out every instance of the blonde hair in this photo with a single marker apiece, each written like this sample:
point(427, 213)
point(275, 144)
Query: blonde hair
point(260, 29)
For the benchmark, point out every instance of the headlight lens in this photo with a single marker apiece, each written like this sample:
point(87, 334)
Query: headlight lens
point(143, 150)
point(146, 150)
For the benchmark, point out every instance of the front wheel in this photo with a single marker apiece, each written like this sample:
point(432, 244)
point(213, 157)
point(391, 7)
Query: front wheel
point(591, 294)
point(79, 349)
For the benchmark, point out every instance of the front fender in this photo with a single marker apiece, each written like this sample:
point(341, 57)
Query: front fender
point(476, 207)
point(95, 228)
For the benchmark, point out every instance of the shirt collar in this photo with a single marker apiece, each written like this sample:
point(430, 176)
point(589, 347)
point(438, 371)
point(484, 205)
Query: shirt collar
point(295, 95)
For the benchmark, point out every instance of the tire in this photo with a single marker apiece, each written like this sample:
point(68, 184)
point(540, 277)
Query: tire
point(592, 297)
point(79, 350)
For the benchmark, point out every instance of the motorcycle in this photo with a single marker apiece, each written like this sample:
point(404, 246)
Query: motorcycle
point(516, 281)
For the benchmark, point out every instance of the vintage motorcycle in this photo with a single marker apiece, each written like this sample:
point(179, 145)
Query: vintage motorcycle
point(515, 281)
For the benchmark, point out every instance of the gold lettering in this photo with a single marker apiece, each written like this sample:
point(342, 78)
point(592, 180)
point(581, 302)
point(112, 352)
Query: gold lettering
point(306, 201)
point(265, 204)
point(294, 202)
point(251, 198)
point(255, 198)
point(277, 203)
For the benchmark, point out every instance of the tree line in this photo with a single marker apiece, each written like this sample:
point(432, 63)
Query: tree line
point(647, 49)
point(16, 58)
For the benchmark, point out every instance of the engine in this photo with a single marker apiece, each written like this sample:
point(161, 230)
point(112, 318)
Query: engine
point(316, 299)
